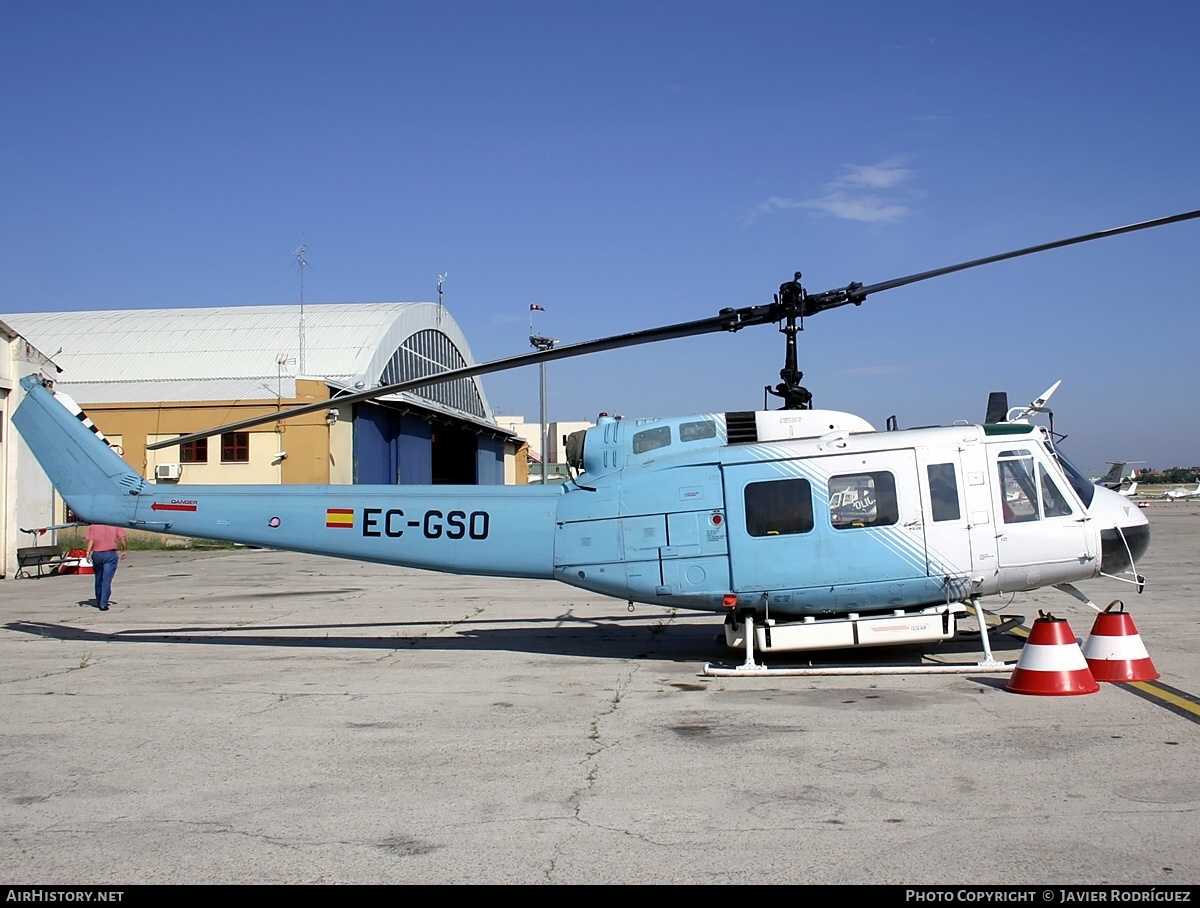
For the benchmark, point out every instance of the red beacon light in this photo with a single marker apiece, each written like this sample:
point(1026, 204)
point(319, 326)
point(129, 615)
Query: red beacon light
point(730, 600)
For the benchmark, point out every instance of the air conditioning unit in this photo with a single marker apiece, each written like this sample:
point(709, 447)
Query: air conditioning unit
point(168, 471)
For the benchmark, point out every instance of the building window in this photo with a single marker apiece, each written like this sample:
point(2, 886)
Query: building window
point(235, 447)
point(194, 451)
point(426, 353)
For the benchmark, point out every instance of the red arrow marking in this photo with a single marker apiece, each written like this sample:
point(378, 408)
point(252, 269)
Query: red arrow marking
point(173, 506)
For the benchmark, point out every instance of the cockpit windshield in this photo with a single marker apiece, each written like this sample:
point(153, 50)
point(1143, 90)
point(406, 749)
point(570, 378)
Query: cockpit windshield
point(1084, 487)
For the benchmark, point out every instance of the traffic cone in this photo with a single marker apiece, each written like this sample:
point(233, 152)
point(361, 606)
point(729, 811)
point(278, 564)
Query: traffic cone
point(1114, 650)
point(1051, 662)
point(77, 561)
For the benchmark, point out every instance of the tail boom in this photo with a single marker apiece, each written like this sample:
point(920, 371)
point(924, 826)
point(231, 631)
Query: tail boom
point(487, 530)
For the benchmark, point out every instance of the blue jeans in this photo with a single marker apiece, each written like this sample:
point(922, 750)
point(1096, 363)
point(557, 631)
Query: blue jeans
point(104, 564)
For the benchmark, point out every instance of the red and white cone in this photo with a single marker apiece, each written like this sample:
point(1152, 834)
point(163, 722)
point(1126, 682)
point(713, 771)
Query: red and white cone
point(1051, 663)
point(77, 562)
point(1114, 650)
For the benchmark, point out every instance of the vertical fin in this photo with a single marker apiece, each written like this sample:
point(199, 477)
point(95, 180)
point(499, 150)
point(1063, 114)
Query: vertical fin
point(997, 407)
point(78, 459)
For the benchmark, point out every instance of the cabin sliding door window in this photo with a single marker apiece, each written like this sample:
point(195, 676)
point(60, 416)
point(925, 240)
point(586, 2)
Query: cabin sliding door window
point(943, 491)
point(863, 500)
point(779, 508)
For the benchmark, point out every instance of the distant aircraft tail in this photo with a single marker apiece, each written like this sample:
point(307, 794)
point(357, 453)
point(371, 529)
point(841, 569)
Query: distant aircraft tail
point(91, 477)
point(1114, 473)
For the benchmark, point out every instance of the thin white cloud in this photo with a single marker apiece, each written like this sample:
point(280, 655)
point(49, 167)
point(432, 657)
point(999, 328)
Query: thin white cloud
point(868, 193)
point(869, 209)
point(883, 175)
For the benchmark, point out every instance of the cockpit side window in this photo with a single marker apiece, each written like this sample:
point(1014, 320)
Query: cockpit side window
point(1018, 490)
point(1023, 498)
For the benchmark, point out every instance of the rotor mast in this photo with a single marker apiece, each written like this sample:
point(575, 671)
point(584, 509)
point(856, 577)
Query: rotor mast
point(795, 397)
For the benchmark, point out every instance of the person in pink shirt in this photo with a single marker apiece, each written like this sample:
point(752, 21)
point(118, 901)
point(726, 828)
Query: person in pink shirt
point(103, 543)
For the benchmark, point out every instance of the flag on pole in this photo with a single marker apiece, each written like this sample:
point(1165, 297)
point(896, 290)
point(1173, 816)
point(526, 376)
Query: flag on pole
point(534, 307)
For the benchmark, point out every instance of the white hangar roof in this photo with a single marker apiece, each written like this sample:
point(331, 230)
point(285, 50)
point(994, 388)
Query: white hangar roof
point(254, 352)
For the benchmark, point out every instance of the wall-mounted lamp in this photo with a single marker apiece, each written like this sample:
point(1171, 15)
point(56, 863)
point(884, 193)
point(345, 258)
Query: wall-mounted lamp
point(331, 417)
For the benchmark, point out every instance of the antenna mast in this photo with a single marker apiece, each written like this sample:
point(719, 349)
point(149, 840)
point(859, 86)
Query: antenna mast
point(441, 277)
point(542, 344)
point(301, 254)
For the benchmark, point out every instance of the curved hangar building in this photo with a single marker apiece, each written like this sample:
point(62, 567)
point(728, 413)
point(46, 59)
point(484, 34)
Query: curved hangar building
point(146, 375)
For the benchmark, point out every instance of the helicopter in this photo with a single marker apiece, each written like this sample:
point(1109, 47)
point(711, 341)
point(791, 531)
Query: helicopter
point(804, 528)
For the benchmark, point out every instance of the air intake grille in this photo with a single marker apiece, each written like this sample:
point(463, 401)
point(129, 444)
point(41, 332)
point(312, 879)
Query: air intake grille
point(741, 427)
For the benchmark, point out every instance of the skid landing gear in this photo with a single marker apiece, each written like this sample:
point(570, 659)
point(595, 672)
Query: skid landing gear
point(928, 625)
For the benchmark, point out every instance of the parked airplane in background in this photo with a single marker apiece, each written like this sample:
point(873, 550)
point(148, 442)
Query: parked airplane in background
point(1112, 479)
point(1129, 492)
point(1180, 494)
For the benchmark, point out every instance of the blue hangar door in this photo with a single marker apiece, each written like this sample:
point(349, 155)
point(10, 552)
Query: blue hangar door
point(391, 448)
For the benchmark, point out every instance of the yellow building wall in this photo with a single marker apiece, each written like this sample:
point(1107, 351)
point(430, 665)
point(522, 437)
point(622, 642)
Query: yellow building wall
point(516, 465)
point(312, 446)
point(320, 450)
point(263, 467)
point(341, 448)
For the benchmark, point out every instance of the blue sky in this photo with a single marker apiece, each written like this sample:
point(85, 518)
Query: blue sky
point(627, 165)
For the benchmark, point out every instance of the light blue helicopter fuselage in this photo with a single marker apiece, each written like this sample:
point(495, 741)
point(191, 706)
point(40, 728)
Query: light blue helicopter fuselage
point(799, 513)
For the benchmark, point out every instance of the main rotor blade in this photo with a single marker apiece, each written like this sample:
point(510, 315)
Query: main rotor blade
point(794, 304)
point(1029, 250)
point(727, 321)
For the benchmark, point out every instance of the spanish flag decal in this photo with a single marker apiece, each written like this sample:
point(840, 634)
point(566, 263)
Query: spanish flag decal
point(339, 518)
